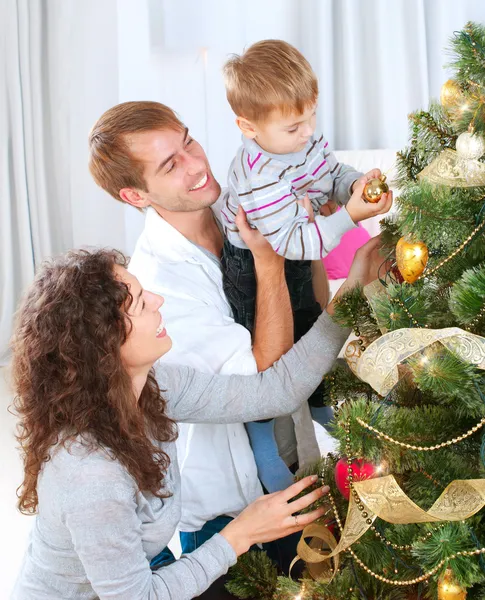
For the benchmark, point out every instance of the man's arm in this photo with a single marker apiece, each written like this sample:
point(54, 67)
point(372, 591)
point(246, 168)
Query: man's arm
point(273, 329)
point(321, 288)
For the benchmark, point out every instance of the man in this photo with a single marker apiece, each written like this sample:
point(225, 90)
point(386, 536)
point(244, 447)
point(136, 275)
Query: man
point(142, 154)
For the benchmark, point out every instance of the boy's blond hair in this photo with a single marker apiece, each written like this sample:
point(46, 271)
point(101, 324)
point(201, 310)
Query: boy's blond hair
point(270, 75)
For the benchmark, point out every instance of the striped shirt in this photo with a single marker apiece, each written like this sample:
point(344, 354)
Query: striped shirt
point(268, 186)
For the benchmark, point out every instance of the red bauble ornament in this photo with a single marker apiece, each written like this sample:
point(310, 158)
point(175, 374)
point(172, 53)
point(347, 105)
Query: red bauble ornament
point(397, 274)
point(360, 470)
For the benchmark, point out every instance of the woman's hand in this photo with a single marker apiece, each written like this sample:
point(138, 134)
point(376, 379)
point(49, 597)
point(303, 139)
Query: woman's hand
point(364, 268)
point(366, 263)
point(272, 516)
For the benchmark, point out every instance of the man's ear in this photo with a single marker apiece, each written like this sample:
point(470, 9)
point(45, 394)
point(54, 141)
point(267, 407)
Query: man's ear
point(248, 129)
point(131, 196)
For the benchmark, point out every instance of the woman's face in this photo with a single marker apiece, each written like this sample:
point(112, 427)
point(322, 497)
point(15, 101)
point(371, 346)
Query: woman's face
point(148, 339)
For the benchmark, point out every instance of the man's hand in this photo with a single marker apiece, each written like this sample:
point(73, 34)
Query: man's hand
point(254, 240)
point(307, 205)
point(328, 208)
point(373, 174)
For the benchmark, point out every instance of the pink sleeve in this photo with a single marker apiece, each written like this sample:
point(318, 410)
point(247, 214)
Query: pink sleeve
point(337, 262)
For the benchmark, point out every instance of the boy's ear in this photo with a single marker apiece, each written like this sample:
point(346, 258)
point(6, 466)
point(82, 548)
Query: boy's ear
point(247, 128)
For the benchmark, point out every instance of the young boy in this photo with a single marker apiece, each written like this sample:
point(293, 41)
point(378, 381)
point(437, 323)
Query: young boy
point(281, 176)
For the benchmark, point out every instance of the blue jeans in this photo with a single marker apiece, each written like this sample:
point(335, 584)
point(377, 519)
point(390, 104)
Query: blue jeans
point(272, 469)
point(281, 551)
point(190, 540)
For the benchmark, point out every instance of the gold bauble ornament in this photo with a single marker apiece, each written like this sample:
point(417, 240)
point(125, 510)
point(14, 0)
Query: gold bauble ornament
point(451, 96)
point(411, 258)
point(374, 189)
point(470, 145)
point(449, 589)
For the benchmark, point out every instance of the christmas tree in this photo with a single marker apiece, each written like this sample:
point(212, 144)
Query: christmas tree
point(405, 516)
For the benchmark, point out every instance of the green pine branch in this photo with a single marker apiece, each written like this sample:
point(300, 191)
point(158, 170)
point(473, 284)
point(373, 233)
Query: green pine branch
point(468, 61)
point(253, 576)
point(467, 297)
point(352, 310)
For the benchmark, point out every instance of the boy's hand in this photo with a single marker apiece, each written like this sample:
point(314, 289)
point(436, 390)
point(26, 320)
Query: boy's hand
point(374, 174)
point(359, 209)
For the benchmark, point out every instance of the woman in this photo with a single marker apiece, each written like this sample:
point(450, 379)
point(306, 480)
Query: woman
point(98, 437)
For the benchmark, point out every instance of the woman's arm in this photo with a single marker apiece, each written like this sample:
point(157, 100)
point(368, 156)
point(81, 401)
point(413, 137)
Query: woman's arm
point(101, 514)
point(204, 398)
point(199, 397)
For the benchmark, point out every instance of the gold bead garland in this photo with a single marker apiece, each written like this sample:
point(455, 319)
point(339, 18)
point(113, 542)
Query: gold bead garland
point(333, 399)
point(388, 438)
point(479, 316)
point(421, 578)
point(383, 539)
point(396, 582)
point(408, 313)
point(453, 254)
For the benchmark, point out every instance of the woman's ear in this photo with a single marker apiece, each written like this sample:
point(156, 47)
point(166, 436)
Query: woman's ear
point(248, 129)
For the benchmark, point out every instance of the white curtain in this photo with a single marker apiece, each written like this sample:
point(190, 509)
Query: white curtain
point(58, 74)
point(34, 220)
point(64, 62)
point(376, 60)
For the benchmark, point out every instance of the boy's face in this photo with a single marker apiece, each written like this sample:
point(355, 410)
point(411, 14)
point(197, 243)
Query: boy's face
point(283, 134)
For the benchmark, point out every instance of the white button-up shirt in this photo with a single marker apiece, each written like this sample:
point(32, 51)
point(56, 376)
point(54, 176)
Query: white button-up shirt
point(219, 474)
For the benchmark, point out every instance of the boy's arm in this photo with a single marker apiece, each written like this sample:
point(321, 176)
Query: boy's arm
point(343, 176)
point(272, 207)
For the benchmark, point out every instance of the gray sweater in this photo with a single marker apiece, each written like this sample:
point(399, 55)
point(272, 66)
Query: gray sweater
point(95, 531)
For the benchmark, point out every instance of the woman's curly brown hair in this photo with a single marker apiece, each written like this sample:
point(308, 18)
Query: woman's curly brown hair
point(69, 379)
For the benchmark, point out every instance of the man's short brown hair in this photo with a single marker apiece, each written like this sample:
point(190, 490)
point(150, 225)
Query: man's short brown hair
point(270, 75)
point(111, 163)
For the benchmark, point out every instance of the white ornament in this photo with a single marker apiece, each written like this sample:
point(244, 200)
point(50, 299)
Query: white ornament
point(470, 146)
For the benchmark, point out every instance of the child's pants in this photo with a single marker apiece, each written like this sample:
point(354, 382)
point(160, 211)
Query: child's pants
point(240, 289)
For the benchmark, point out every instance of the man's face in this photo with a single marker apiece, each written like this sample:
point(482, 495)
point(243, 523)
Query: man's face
point(176, 170)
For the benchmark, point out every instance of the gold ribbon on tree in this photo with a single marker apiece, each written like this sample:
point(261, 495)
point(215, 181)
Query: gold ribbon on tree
point(316, 553)
point(453, 170)
point(384, 498)
point(378, 365)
